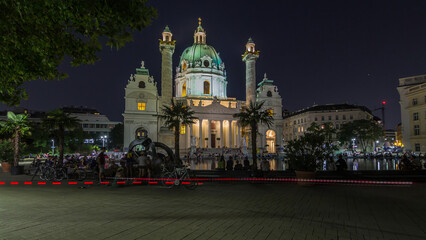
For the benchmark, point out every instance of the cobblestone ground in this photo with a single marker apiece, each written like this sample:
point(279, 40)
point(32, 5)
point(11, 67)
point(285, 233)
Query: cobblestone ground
point(213, 211)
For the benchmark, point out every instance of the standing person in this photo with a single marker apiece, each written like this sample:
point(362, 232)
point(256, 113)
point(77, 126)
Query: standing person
point(331, 165)
point(265, 166)
point(221, 163)
point(230, 164)
point(246, 163)
point(341, 164)
point(101, 163)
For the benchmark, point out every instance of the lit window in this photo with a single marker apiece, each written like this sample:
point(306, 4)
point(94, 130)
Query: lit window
point(206, 87)
point(270, 112)
point(182, 129)
point(141, 106)
point(184, 90)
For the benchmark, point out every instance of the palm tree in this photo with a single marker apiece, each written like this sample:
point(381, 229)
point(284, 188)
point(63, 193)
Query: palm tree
point(174, 117)
point(251, 116)
point(19, 126)
point(59, 121)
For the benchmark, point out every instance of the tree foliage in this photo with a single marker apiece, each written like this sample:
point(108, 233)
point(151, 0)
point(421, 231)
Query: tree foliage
point(18, 126)
point(251, 116)
point(363, 130)
point(58, 122)
point(174, 116)
point(36, 35)
point(316, 145)
point(117, 136)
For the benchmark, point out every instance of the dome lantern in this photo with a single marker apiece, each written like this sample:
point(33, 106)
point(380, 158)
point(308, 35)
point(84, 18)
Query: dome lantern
point(199, 34)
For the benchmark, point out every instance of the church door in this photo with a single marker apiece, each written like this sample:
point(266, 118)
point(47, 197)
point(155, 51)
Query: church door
point(213, 139)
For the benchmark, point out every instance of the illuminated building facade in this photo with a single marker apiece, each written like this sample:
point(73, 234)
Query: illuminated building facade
point(201, 83)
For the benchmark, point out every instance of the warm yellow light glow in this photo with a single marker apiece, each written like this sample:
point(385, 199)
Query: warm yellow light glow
point(270, 112)
point(141, 106)
point(182, 129)
point(184, 90)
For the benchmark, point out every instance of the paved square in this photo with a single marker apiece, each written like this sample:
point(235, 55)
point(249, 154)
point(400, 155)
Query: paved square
point(213, 211)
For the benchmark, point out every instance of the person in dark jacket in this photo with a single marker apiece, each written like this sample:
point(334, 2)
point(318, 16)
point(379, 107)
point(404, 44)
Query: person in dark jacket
point(230, 164)
point(341, 164)
point(246, 163)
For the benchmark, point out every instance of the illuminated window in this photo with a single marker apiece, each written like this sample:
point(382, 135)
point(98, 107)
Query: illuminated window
point(184, 90)
point(206, 87)
point(270, 112)
point(182, 129)
point(141, 106)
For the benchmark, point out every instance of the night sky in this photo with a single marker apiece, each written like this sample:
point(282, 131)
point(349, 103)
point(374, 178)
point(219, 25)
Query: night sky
point(317, 52)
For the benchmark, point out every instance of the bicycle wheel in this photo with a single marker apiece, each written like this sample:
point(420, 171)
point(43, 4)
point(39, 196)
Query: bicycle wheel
point(80, 174)
point(60, 174)
point(48, 174)
point(167, 180)
point(192, 184)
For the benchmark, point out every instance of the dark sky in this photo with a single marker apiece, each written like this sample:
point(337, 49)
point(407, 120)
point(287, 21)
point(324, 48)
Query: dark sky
point(316, 52)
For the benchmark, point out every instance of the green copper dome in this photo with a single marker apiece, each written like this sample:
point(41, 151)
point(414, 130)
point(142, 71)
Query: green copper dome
point(196, 52)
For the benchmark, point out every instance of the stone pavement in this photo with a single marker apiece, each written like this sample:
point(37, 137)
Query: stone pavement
point(213, 211)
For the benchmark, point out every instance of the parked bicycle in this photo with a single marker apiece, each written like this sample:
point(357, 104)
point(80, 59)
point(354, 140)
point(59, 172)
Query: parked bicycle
point(178, 176)
point(43, 170)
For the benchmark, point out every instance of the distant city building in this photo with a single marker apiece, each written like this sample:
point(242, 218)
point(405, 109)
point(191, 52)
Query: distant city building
point(412, 95)
point(201, 83)
point(390, 136)
point(92, 121)
point(398, 141)
point(296, 123)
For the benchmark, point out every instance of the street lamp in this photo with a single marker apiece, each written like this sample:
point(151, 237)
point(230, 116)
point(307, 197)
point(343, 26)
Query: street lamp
point(104, 138)
point(53, 146)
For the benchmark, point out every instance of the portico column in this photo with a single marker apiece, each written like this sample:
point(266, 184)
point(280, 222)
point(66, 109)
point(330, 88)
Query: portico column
point(221, 133)
point(229, 134)
point(209, 141)
point(238, 140)
point(200, 133)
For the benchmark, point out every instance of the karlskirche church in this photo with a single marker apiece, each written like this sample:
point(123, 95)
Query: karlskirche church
point(201, 83)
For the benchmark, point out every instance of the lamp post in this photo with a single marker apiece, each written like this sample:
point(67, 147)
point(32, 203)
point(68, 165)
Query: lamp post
point(53, 146)
point(104, 138)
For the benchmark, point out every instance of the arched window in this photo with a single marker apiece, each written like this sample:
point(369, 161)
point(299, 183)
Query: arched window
point(141, 84)
point(206, 87)
point(184, 90)
point(269, 94)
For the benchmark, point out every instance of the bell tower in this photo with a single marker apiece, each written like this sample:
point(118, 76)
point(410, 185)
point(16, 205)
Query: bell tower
point(167, 48)
point(249, 57)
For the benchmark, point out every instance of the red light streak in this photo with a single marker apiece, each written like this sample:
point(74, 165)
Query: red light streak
point(72, 183)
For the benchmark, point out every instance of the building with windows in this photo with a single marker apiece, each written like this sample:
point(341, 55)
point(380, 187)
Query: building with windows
point(412, 98)
point(296, 123)
point(201, 83)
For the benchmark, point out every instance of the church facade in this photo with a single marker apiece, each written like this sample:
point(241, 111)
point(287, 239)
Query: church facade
point(201, 83)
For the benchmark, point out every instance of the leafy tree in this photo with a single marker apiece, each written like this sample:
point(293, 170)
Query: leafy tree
point(252, 116)
point(39, 141)
point(306, 152)
point(58, 122)
point(364, 131)
point(117, 136)
point(74, 140)
point(174, 116)
point(37, 35)
point(18, 126)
